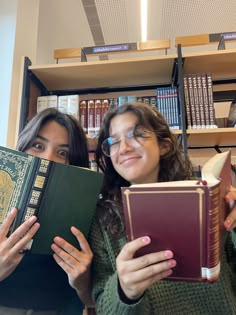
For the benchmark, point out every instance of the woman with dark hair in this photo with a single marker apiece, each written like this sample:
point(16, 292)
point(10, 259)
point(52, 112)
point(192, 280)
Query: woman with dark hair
point(136, 146)
point(46, 284)
point(77, 143)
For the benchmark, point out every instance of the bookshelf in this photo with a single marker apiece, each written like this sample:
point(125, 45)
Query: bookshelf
point(220, 63)
point(129, 74)
point(108, 74)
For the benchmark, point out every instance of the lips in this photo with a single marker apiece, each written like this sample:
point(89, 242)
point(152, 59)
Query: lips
point(129, 160)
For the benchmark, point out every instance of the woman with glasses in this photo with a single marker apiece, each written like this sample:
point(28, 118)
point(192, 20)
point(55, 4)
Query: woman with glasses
point(135, 146)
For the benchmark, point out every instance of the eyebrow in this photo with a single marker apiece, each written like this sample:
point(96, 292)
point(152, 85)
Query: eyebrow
point(46, 140)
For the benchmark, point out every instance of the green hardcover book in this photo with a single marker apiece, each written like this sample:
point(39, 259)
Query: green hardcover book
point(59, 195)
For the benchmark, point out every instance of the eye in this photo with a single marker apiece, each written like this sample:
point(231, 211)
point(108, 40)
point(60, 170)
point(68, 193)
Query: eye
point(130, 134)
point(64, 154)
point(37, 146)
point(113, 141)
point(141, 132)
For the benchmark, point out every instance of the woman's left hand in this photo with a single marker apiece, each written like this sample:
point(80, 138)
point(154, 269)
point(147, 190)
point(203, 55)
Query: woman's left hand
point(230, 221)
point(76, 263)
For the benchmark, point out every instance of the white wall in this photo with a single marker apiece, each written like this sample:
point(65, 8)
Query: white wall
point(8, 11)
point(25, 45)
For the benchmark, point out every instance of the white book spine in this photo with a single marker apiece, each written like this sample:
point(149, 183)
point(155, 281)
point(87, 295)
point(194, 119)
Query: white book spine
point(52, 101)
point(73, 105)
point(63, 103)
point(42, 103)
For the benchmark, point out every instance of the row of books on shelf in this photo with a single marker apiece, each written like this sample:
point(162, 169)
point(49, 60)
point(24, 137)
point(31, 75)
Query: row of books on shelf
point(198, 92)
point(199, 105)
point(91, 112)
point(167, 104)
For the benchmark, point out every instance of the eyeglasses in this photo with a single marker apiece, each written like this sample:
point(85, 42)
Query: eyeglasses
point(134, 137)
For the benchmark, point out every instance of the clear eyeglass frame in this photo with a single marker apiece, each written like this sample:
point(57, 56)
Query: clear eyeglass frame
point(134, 137)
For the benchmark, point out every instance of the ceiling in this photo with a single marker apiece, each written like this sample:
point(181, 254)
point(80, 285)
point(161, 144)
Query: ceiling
point(83, 23)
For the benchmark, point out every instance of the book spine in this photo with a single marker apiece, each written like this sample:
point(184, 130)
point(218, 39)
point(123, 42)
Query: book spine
point(210, 100)
point(191, 101)
point(205, 100)
point(35, 195)
point(153, 102)
point(175, 113)
point(83, 115)
point(98, 116)
point(200, 99)
point(73, 105)
point(187, 103)
point(212, 270)
point(91, 118)
point(105, 108)
point(42, 103)
point(52, 101)
point(196, 101)
point(63, 103)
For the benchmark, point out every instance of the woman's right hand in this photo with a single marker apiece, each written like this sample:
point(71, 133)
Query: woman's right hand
point(10, 247)
point(137, 274)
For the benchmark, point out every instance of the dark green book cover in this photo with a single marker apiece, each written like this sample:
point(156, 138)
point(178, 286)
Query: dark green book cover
point(59, 195)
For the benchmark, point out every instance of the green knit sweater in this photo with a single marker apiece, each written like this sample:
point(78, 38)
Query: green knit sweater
point(163, 297)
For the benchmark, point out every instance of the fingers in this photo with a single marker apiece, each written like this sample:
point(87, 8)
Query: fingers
point(70, 259)
point(65, 251)
point(5, 227)
point(137, 274)
point(147, 265)
point(63, 248)
point(130, 248)
point(134, 290)
point(24, 233)
point(230, 221)
point(149, 259)
point(82, 240)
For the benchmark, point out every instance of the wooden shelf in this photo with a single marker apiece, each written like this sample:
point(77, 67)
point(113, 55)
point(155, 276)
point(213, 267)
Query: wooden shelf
point(108, 73)
point(133, 71)
point(211, 137)
point(221, 63)
point(198, 137)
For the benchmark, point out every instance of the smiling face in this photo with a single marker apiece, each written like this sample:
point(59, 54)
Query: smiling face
point(136, 165)
point(51, 143)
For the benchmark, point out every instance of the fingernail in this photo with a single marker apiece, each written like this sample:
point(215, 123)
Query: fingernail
point(32, 219)
point(172, 263)
point(12, 210)
point(227, 223)
point(168, 254)
point(231, 204)
point(146, 239)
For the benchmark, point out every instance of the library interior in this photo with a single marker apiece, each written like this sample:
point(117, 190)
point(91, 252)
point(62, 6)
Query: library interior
point(87, 57)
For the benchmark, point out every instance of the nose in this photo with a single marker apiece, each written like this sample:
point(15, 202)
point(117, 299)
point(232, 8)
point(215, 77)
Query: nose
point(124, 145)
point(49, 155)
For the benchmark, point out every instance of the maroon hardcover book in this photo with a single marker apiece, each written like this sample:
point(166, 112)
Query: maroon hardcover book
point(183, 216)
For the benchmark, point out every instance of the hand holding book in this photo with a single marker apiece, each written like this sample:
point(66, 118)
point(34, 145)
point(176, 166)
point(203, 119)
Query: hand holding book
point(56, 193)
point(185, 217)
point(11, 248)
point(136, 275)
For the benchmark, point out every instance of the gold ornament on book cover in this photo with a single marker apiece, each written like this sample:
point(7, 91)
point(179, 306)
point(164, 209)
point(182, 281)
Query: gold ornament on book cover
point(6, 189)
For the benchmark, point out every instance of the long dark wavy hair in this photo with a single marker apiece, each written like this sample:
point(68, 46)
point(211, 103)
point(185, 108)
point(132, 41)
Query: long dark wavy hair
point(78, 150)
point(172, 165)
